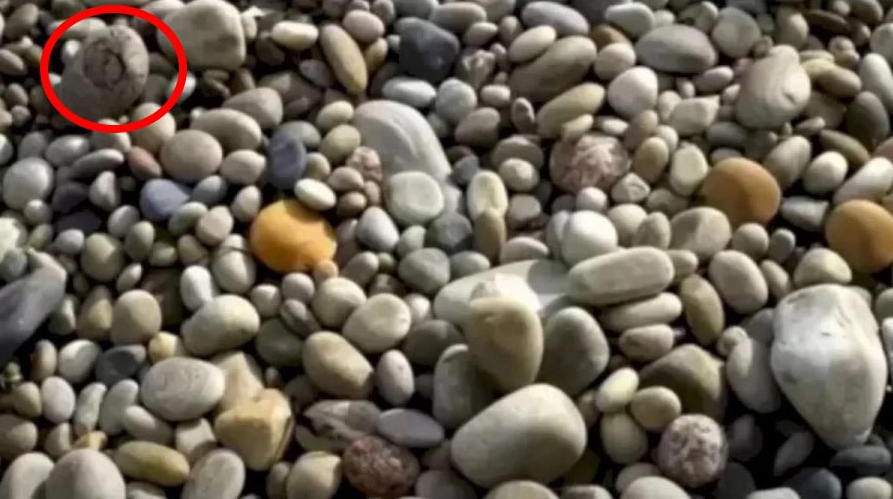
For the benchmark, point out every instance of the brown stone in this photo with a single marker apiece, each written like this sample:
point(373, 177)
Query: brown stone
point(379, 469)
point(862, 233)
point(743, 190)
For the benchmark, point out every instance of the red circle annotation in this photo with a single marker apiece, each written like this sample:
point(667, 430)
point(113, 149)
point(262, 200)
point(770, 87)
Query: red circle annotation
point(103, 127)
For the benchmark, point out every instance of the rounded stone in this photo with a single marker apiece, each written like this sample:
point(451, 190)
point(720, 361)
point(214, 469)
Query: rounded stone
point(102, 257)
point(136, 317)
point(377, 468)
point(573, 330)
point(287, 237)
point(378, 324)
point(191, 155)
point(738, 281)
point(633, 91)
point(26, 180)
point(508, 363)
point(315, 475)
point(862, 233)
point(410, 428)
point(413, 198)
point(485, 448)
point(25, 476)
point(180, 389)
point(676, 48)
point(693, 450)
point(654, 487)
point(335, 300)
point(218, 474)
point(743, 190)
point(226, 322)
point(107, 75)
point(774, 90)
point(152, 462)
point(591, 161)
point(336, 367)
point(84, 474)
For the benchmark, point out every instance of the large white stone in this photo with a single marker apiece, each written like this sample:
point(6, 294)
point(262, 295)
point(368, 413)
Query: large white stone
point(828, 360)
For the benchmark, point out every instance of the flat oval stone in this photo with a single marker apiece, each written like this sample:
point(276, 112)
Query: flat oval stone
point(562, 66)
point(180, 389)
point(676, 48)
point(564, 19)
point(233, 129)
point(345, 58)
point(620, 276)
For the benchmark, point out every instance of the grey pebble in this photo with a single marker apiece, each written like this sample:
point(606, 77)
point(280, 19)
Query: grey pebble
point(58, 399)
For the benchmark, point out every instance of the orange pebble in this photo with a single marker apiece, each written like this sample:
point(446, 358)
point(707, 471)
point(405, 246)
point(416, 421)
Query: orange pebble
point(743, 190)
point(287, 237)
point(862, 233)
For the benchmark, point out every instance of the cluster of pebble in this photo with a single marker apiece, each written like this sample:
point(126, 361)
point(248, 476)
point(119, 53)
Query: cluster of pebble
point(499, 249)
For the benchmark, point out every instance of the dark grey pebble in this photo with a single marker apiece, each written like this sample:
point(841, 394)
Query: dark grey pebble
point(286, 160)
point(13, 265)
point(161, 197)
point(451, 232)
point(86, 221)
point(745, 438)
point(465, 169)
point(68, 196)
point(816, 483)
point(593, 11)
point(120, 362)
point(95, 163)
point(427, 51)
point(210, 191)
point(866, 460)
point(24, 305)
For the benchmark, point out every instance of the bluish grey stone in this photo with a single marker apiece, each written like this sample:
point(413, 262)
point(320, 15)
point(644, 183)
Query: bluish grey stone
point(24, 305)
point(94, 163)
point(69, 195)
point(120, 362)
point(816, 483)
point(85, 221)
point(427, 51)
point(210, 191)
point(286, 160)
point(161, 197)
point(864, 460)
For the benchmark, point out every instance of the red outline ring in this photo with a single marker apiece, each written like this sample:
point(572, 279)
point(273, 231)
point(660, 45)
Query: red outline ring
point(102, 127)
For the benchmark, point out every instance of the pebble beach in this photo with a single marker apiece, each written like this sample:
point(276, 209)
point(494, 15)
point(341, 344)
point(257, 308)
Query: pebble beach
point(447, 249)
